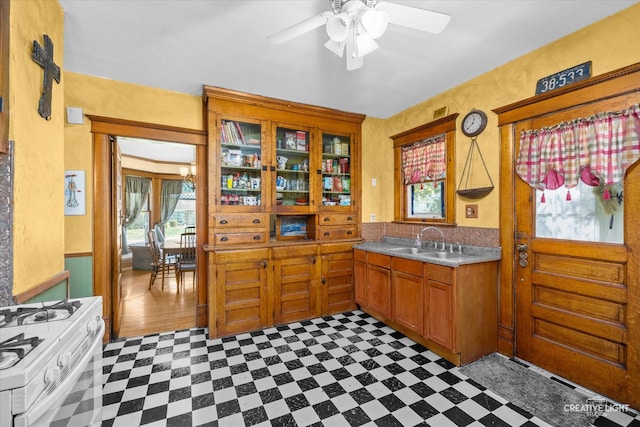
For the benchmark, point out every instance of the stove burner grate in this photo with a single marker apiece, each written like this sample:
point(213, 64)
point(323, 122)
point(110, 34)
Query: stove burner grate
point(15, 348)
point(42, 313)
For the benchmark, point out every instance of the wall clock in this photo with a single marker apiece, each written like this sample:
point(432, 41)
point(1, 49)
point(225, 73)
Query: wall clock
point(474, 123)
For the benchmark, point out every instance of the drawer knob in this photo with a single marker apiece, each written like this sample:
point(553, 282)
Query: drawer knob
point(256, 221)
point(256, 237)
point(224, 221)
point(326, 233)
point(326, 219)
point(224, 239)
point(349, 218)
point(349, 233)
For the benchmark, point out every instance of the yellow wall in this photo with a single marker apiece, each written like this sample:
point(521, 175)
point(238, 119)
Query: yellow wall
point(38, 201)
point(610, 44)
point(109, 98)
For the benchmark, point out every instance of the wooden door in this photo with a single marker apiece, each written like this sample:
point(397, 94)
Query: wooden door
point(572, 312)
point(439, 317)
point(360, 277)
point(407, 293)
point(241, 290)
point(116, 244)
point(337, 282)
point(296, 287)
point(379, 290)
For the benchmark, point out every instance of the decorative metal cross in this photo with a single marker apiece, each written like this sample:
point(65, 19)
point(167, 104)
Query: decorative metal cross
point(44, 58)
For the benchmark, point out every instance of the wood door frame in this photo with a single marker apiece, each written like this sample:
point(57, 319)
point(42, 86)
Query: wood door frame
point(621, 82)
point(102, 128)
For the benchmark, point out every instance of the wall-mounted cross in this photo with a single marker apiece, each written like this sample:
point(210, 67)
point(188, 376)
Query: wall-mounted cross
point(44, 57)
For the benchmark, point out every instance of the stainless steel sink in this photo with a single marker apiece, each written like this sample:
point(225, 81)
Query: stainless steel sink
point(444, 255)
point(409, 250)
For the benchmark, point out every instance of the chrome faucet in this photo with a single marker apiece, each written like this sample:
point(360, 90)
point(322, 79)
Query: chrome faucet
point(419, 237)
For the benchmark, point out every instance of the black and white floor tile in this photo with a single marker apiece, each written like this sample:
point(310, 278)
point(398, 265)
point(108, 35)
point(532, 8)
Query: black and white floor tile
point(342, 370)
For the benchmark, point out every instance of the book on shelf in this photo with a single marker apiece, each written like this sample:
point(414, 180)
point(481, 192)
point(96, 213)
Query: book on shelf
point(301, 141)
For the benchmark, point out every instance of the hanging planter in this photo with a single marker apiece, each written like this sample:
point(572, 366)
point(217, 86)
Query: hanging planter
point(478, 192)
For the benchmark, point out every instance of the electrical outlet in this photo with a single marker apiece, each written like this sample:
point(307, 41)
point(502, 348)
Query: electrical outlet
point(373, 217)
point(471, 211)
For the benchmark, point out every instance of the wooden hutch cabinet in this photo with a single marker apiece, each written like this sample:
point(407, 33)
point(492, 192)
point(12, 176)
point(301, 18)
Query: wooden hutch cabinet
point(269, 161)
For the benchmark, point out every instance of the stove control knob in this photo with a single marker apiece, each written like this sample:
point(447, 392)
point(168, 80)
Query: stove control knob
point(64, 359)
point(92, 325)
point(52, 374)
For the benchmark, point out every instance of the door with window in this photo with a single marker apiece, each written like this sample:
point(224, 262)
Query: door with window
point(572, 258)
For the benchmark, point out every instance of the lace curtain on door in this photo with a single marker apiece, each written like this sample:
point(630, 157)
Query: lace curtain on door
point(424, 160)
point(597, 149)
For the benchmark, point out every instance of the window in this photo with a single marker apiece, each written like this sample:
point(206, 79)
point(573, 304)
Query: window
point(136, 232)
point(183, 216)
point(424, 172)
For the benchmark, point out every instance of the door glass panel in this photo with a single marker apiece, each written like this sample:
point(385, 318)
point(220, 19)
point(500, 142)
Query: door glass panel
point(336, 170)
point(587, 216)
point(241, 148)
point(292, 167)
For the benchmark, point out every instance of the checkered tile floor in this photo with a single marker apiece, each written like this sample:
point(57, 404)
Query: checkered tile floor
point(342, 370)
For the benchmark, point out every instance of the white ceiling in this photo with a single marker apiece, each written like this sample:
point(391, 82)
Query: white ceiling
point(183, 45)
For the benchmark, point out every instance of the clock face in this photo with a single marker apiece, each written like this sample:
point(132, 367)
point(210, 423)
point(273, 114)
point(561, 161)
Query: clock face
point(474, 123)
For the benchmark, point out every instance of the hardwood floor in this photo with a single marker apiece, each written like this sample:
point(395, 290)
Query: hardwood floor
point(152, 311)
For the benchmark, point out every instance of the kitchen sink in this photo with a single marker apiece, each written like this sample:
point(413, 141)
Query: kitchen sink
point(444, 255)
point(409, 250)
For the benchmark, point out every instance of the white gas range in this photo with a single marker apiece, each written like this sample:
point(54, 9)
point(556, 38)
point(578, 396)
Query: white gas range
point(51, 363)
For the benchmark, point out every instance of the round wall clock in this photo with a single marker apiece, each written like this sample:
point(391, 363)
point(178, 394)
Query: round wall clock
point(474, 123)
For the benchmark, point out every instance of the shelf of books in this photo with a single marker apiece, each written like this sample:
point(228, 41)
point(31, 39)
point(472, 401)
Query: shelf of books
point(241, 163)
point(292, 168)
point(336, 170)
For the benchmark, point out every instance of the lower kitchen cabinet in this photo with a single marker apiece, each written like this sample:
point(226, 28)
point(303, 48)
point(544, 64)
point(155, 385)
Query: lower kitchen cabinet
point(257, 288)
point(337, 293)
point(296, 272)
point(450, 310)
point(240, 287)
point(407, 297)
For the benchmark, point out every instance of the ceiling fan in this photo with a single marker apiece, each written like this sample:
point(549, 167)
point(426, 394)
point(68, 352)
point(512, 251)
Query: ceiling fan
point(353, 25)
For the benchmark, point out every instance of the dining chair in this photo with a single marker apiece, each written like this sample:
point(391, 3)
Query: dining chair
point(158, 262)
point(190, 229)
point(187, 258)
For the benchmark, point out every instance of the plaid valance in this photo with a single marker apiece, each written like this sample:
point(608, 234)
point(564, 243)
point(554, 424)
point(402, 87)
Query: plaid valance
point(424, 160)
point(596, 149)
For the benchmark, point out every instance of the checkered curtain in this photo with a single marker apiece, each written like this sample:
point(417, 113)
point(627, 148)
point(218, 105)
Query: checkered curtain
point(424, 160)
point(596, 149)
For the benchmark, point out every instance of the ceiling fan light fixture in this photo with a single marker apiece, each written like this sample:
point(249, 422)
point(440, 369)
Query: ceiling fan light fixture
point(338, 27)
point(365, 44)
point(375, 22)
point(335, 47)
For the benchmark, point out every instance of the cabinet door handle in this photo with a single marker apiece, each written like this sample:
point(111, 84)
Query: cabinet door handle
point(264, 168)
point(349, 218)
point(324, 281)
point(264, 264)
point(326, 219)
point(256, 221)
point(224, 239)
point(349, 233)
point(313, 260)
point(319, 171)
point(224, 221)
point(256, 237)
point(272, 168)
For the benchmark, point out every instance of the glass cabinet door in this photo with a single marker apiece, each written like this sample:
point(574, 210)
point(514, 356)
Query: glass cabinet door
point(241, 164)
point(291, 180)
point(336, 170)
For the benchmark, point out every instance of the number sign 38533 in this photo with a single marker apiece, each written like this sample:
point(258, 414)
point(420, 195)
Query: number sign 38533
point(563, 78)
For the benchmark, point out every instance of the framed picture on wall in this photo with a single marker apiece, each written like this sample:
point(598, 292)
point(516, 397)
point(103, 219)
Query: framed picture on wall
point(74, 193)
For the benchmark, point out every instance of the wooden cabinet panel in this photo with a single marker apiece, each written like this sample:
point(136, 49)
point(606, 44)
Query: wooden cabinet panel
point(439, 316)
point(337, 282)
point(232, 239)
point(337, 219)
point(336, 233)
point(360, 281)
point(296, 289)
point(225, 221)
point(379, 289)
point(241, 294)
point(408, 299)
point(439, 273)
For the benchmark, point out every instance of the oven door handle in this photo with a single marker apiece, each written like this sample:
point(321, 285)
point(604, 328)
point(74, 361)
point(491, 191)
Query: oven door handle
point(33, 414)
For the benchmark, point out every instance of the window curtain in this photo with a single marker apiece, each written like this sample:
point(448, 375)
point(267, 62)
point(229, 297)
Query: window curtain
point(597, 149)
point(424, 160)
point(170, 195)
point(136, 190)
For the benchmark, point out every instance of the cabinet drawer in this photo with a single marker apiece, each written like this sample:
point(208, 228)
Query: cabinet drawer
point(380, 260)
point(415, 268)
point(439, 273)
point(336, 219)
point(240, 220)
point(229, 239)
point(331, 233)
point(359, 255)
point(293, 251)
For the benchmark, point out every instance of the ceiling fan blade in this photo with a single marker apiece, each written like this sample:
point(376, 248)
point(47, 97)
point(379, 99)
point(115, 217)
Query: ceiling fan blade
point(300, 28)
point(413, 17)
